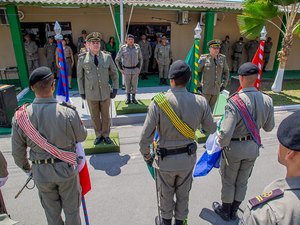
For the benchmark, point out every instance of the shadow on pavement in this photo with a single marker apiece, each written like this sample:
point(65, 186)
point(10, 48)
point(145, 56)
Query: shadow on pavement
point(111, 163)
point(211, 217)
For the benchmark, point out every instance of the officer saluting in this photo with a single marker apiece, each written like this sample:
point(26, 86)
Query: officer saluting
point(176, 152)
point(280, 203)
point(94, 68)
point(246, 112)
point(215, 73)
point(51, 131)
point(129, 60)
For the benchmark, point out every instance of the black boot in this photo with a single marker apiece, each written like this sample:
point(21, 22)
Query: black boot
point(166, 222)
point(143, 76)
point(134, 101)
point(165, 82)
point(161, 81)
point(234, 208)
point(222, 210)
point(128, 101)
point(178, 222)
point(146, 77)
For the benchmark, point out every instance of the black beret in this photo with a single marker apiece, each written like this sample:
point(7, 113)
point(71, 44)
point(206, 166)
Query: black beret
point(215, 43)
point(130, 36)
point(248, 69)
point(178, 69)
point(39, 74)
point(83, 32)
point(288, 132)
point(94, 36)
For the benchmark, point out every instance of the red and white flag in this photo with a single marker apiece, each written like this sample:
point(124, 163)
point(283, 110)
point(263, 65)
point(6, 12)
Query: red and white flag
point(258, 60)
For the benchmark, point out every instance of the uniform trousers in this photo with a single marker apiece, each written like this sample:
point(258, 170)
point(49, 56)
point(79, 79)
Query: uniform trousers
point(163, 71)
point(58, 196)
point(266, 60)
point(211, 99)
point(131, 83)
point(100, 116)
point(32, 65)
point(145, 66)
point(235, 177)
point(51, 64)
point(178, 183)
point(236, 61)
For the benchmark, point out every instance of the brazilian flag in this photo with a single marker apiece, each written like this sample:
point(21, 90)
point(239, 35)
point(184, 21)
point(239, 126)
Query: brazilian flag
point(190, 61)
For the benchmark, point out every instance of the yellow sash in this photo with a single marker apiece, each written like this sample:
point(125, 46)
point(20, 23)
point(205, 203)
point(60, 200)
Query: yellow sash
point(181, 126)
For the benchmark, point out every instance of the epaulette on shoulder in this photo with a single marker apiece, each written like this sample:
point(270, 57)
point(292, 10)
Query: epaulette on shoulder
point(68, 105)
point(106, 52)
point(81, 54)
point(265, 197)
point(123, 46)
point(222, 55)
point(265, 93)
point(136, 45)
point(204, 55)
point(26, 103)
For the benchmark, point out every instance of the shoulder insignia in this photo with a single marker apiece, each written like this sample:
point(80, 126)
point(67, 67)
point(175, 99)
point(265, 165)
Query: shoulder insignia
point(136, 45)
point(264, 93)
point(265, 197)
point(232, 95)
point(106, 52)
point(26, 103)
point(222, 55)
point(68, 105)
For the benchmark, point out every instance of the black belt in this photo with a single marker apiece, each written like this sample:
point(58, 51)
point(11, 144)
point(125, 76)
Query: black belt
point(189, 149)
point(242, 138)
point(46, 161)
point(268, 52)
point(238, 52)
point(130, 67)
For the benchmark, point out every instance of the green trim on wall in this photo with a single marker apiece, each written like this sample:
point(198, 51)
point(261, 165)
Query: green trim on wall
point(209, 30)
point(279, 46)
point(16, 36)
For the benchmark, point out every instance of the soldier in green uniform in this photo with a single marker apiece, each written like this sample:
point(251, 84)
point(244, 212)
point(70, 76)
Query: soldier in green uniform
point(237, 54)
point(94, 69)
point(129, 61)
point(31, 51)
point(279, 204)
point(163, 57)
point(251, 48)
point(81, 41)
point(215, 73)
point(50, 49)
point(47, 129)
point(225, 47)
point(157, 42)
point(267, 52)
point(146, 52)
point(176, 153)
point(240, 143)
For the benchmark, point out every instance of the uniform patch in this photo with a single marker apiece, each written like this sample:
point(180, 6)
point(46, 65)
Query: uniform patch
point(265, 197)
point(68, 105)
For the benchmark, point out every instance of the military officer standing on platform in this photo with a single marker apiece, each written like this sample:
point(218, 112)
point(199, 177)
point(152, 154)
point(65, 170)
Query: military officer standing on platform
point(251, 47)
point(129, 60)
point(50, 49)
point(246, 112)
point(94, 69)
point(267, 52)
point(31, 50)
point(215, 73)
point(280, 204)
point(237, 54)
point(146, 52)
point(51, 131)
point(163, 57)
point(176, 153)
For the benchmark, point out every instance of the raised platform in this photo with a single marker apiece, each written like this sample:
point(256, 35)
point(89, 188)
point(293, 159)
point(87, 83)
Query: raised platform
point(90, 148)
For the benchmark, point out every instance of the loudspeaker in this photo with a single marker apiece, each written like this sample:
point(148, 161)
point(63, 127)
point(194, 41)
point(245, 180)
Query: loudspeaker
point(234, 84)
point(8, 104)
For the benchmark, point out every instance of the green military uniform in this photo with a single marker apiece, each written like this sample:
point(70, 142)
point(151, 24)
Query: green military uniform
point(277, 209)
point(175, 171)
point(31, 51)
point(146, 52)
point(93, 82)
point(57, 181)
point(225, 49)
point(267, 52)
point(80, 44)
point(239, 149)
point(163, 56)
point(130, 60)
point(50, 50)
point(215, 74)
point(237, 54)
point(154, 63)
point(3, 166)
point(251, 48)
point(3, 179)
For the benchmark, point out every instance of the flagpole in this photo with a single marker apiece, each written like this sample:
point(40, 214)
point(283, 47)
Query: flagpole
point(197, 37)
point(86, 217)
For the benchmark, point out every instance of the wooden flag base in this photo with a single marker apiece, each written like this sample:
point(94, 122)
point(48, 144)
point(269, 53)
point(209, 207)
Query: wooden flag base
point(90, 148)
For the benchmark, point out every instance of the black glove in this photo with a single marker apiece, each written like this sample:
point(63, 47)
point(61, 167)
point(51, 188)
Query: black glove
point(199, 89)
point(222, 88)
point(149, 159)
point(113, 93)
point(82, 96)
point(171, 61)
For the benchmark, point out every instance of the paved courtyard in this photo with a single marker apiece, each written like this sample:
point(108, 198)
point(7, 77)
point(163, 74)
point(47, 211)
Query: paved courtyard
point(123, 192)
